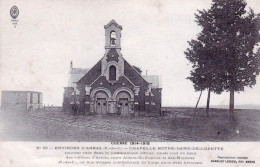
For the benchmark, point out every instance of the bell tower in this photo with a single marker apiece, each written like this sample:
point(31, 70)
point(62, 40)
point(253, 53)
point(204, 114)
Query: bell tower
point(113, 35)
point(112, 62)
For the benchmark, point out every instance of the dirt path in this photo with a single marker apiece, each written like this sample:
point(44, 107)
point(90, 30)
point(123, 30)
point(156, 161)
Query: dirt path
point(27, 127)
point(58, 126)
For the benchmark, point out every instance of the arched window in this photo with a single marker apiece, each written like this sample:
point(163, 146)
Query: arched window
point(112, 73)
point(113, 38)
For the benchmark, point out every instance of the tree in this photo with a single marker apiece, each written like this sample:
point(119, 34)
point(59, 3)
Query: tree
point(204, 63)
point(233, 33)
point(237, 31)
point(203, 54)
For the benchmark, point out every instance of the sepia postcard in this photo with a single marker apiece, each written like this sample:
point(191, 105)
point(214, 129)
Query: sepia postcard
point(129, 83)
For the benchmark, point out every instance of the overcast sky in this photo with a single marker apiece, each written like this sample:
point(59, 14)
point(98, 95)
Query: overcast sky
point(50, 33)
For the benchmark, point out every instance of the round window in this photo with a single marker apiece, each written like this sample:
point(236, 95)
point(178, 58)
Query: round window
point(126, 104)
point(104, 104)
point(98, 104)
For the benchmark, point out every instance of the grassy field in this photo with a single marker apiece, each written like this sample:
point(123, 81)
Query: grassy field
point(177, 124)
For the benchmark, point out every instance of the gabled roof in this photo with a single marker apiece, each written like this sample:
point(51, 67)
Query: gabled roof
point(75, 75)
point(92, 74)
point(113, 22)
point(135, 77)
point(154, 80)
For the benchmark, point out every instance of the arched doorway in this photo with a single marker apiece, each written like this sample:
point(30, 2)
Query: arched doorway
point(101, 99)
point(123, 101)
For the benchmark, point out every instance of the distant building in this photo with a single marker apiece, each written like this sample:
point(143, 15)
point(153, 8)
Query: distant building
point(112, 85)
point(21, 100)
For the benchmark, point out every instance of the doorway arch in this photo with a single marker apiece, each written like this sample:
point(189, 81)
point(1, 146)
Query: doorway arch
point(100, 97)
point(124, 98)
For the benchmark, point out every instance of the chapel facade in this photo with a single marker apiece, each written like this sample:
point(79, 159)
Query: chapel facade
point(112, 85)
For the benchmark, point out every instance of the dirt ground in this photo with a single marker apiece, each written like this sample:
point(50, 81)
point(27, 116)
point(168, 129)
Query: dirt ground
point(176, 125)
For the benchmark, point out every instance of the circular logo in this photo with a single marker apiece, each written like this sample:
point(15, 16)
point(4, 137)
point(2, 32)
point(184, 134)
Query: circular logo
point(14, 12)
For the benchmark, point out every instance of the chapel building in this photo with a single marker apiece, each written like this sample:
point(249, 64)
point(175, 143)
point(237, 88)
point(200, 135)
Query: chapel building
point(112, 85)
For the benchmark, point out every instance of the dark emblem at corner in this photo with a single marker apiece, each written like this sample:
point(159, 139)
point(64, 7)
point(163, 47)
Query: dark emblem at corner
point(14, 12)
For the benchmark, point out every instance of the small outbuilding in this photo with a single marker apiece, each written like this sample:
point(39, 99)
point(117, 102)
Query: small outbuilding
point(23, 100)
